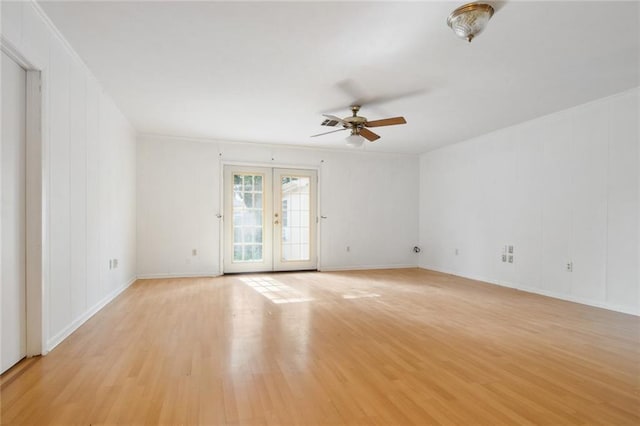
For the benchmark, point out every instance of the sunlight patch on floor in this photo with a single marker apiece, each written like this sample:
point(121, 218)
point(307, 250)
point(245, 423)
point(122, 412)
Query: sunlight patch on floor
point(274, 290)
point(358, 294)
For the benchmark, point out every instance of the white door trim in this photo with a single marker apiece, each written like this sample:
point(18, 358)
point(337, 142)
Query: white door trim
point(222, 163)
point(37, 200)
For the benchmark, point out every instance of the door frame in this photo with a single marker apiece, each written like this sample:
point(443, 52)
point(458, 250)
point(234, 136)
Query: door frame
point(271, 165)
point(37, 200)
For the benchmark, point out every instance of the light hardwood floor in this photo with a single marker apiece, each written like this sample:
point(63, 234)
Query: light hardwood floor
point(372, 347)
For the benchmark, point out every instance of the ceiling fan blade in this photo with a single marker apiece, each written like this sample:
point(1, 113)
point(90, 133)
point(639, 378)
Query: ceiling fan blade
point(353, 90)
point(333, 121)
point(368, 134)
point(359, 96)
point(326, 133)
point(377, 100)
point(386, 122)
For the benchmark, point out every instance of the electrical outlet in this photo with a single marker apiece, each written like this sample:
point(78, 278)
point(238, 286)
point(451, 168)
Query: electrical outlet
point(194, 252)
point(457, 252)
point(569, 267)
point(510, 249)
point(510, 258)
point(504, 257)
point(348, 248)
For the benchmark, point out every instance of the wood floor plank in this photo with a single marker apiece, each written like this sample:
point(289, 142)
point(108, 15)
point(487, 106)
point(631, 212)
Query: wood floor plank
point(369, 347)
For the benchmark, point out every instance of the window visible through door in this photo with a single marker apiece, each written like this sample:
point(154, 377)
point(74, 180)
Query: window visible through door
point(248, 192)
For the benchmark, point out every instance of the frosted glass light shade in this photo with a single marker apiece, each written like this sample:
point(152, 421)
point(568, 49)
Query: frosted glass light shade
point(354, 140)
point(469, 20)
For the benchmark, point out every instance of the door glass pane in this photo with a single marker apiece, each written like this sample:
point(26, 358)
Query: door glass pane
point(247, 218)
point(295, 217)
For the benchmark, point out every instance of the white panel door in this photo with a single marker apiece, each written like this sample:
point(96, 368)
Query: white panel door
point(13, 214)
point(269, 219)
point(294, 219)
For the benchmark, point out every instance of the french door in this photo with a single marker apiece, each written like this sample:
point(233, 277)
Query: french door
point(269, 219)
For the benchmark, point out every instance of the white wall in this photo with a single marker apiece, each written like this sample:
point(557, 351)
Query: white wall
point(370, 200)
point(562, 188)
point(89, 175)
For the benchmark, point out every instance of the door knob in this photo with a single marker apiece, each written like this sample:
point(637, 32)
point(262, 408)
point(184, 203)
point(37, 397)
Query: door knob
point(276, 222)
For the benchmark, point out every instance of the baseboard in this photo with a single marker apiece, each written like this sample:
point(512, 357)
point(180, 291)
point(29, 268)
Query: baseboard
point(541, 292)
point(364, 267)
point(66, 332)
point(160, 276)
point(468, 276)
point(581, 300)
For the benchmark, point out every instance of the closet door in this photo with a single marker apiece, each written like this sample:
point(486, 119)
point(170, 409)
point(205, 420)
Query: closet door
point(13, 214)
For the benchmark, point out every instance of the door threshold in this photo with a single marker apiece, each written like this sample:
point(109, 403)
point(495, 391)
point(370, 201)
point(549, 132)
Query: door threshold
point(269, 272)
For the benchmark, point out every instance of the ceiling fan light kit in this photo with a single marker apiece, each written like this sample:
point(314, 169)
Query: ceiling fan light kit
point(354, 140)
point(469, 20)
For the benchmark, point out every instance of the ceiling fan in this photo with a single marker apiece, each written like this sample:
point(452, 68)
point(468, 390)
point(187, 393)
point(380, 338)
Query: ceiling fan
point(358, 126)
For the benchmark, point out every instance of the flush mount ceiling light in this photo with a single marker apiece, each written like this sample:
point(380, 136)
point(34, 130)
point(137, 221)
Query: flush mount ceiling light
point(469, 20)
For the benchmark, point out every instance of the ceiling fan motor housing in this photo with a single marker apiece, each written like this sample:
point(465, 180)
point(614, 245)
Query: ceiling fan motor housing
point(355, 121)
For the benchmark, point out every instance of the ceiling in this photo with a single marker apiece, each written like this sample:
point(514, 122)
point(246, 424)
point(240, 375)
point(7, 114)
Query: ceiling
point(264, 72)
